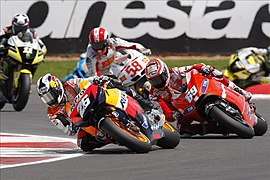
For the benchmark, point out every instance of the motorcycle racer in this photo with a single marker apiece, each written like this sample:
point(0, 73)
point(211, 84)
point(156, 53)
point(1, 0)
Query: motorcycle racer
point(102, 51)
point(59, 98)
point(249, 66)
point(20, 27)
point(164, 84)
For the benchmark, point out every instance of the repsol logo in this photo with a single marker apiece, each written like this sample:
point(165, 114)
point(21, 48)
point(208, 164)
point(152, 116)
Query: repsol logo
point(163, 19)
point(123, 100)
point(78, 97)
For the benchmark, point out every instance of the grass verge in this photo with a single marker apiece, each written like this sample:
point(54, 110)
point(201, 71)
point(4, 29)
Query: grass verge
point(64, 67)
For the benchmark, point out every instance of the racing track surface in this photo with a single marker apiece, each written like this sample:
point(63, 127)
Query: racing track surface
point(203, 158)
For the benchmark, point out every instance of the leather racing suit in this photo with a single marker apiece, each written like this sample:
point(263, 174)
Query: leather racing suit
point(100, 64)
point(164, 97)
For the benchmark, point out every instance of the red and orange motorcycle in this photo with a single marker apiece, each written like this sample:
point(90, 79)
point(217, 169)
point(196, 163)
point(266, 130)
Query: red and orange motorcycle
point(121, 119)
point(202, 98)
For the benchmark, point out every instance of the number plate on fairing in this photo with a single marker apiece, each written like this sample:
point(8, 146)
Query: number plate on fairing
point(191, 94)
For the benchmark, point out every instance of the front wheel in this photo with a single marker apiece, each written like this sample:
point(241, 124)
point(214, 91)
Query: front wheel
point(171, 137)
point(228, 123)
point(21, 95)
point(136, 141)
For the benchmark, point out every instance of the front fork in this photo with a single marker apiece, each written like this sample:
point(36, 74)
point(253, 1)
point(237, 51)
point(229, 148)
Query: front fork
point(17, 74)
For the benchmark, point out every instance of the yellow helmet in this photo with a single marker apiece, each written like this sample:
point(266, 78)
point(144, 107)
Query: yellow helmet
point(242, 65)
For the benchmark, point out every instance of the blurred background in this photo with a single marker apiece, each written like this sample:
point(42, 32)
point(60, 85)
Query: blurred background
point(165, 26)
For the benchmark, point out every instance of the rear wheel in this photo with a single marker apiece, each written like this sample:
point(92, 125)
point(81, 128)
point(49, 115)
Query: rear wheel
point(20, 98)
point(171, 137)
point(2, 105)
point(261, 126)
point(228, 123)
point(135, 141)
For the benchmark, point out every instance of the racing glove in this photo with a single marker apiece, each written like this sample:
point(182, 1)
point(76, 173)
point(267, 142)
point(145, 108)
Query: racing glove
point(100, 80)
point(70, 130)
point(177, 115)
point(207, 70)
point(146, 52)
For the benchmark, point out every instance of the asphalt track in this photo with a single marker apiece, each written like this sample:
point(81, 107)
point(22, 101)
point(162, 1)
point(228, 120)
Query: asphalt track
point(205, 158)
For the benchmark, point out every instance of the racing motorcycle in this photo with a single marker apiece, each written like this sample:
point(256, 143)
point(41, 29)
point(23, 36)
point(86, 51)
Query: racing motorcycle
point(80, 71)
point(111, 112)
point(247, 69)
point(202, 98)
point(18, 67)
point(130, 69)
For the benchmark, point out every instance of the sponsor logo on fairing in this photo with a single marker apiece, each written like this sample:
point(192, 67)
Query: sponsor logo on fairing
point(204, 85)
point(188, 110)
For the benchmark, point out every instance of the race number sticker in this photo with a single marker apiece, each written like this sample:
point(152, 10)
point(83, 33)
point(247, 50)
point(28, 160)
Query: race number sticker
point(133, 68)
point(191, 94)
point(28, 50)
point(83, 104)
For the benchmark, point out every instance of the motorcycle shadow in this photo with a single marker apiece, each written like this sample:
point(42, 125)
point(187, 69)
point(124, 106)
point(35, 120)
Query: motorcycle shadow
point(118, 150)
point(111, 151)
point(7, 110)
point(213, 136)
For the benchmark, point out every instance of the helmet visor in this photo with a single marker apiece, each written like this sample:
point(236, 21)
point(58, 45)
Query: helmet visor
point(51, 98)
point(99, 45)
point(158, 82)
point(18, 29)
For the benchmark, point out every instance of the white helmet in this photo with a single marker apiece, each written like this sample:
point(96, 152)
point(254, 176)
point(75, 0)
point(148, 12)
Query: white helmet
point(157, 73)
point(20, 23)
point(50, 90)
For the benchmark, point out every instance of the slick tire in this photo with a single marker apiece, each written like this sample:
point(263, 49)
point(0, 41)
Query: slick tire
point(2, 105)
point(171, 137)
point(20, 99)
point(261, 126)
point(139, 144)
point(226, 122)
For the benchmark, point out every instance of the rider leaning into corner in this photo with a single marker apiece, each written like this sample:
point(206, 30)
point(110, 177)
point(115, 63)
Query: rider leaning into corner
point(59, 98)
point(20, 27)
point(163, 81)
point(255, 50)
point(102, 51)
point(240, 60)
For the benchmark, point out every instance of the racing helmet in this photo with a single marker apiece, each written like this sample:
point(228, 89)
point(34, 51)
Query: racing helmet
point(241, 67)
point(98, 38)
point(157, 73)
point(20, 23)
point(50, 90)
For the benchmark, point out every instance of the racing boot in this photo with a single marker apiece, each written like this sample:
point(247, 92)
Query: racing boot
point(241, 91)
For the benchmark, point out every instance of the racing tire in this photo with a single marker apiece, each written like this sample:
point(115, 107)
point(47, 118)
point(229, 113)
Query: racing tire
point(171, 137)
point(139, 144)
point(2, 105)
point(20, 99)
point(261, 126)
point(226, 122)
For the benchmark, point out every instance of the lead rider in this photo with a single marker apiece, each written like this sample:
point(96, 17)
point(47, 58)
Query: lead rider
point(59, 98)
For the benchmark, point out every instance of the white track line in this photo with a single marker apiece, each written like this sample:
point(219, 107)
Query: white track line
point(36, 152)
point(260, 96)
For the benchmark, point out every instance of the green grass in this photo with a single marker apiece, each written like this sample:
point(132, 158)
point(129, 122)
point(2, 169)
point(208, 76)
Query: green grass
point(58, 68)
point(62, 68)
point(219, 64)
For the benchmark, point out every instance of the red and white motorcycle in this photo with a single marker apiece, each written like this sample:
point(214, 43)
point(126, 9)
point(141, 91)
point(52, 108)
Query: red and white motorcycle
point(130, 70)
